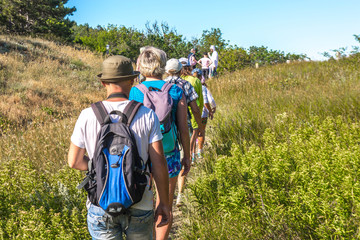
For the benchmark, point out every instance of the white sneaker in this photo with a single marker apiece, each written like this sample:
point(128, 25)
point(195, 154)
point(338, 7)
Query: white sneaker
point(193, 160)
point(178, 200)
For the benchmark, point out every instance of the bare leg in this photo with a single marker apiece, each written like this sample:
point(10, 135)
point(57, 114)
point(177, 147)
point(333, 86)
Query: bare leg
point(193, 141)
point(201, 140)
point(163, 232)
point(181, 183)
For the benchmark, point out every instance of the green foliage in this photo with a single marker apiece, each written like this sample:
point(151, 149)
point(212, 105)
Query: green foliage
point(284, 156)
point(38, 205)
point(167, 39)
point(303, 186)
point(128, 41)
point(212, 37)
point(263, 56)
point(36, 17)
point(121, 40)
point(233, 58)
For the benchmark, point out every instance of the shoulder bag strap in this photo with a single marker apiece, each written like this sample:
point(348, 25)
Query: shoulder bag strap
point(142, 88)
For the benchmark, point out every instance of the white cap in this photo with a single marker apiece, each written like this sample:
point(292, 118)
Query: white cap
point(173, 65)
point(184, 61)
point(212, 47)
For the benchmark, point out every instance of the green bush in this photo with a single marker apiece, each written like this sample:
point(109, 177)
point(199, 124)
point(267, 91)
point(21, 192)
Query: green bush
point(39, 205)
point(302, 186)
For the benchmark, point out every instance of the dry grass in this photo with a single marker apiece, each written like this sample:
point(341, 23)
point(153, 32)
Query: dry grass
point(41, 80)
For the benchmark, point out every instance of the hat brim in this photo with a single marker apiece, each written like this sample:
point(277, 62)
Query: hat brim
point(119, 78)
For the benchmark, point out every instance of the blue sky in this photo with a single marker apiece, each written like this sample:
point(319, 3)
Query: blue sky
point(295, 26)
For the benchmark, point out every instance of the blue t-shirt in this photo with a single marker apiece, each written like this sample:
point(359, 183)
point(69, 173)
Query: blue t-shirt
point(175, 93)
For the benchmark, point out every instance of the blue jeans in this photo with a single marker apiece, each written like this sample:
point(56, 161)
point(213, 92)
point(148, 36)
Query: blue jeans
point(137, 225)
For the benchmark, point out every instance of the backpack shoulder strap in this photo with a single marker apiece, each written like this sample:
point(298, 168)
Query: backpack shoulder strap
point(100, 112)
point(166, 87)
point(142, 88)
point(130, 111)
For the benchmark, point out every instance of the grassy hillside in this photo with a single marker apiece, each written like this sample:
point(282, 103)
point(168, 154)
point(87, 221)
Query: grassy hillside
point(283, 161)
point(39, 79)
point(43, 87)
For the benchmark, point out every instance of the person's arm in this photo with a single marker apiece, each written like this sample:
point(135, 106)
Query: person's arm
point(181, 123)
point(77, 158)
point(212, 101)
point(208, 107)
point(193, 58)
point(200, 62)
point(161, 178)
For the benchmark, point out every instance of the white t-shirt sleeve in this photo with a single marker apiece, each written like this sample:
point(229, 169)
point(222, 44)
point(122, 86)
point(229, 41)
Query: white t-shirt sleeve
point(155, 132)
point(78, 135)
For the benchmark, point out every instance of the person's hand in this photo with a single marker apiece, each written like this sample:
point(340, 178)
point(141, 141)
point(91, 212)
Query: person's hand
point(162, 210)
point(214, 110)
point(211, 115)
point(186, 163)
point(201, 131)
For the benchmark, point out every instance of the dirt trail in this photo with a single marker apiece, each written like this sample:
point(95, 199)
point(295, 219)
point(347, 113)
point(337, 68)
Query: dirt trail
point(174, 233)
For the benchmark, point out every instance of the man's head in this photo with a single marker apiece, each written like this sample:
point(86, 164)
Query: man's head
point(193, 50)
point(117, 70)
point(212, 48)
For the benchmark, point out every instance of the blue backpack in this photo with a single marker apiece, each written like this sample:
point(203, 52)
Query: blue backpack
point(117, 175)
point(161, 102)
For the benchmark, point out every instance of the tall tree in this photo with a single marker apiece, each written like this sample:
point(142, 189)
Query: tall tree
point(212, 37)
point(36, 17)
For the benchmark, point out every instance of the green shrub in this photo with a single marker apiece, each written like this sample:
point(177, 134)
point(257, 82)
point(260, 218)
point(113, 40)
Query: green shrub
point(39, 205)
point(302, 186)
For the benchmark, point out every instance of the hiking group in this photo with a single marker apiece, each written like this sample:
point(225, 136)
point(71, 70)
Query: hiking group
point(141, 134)
point(208, 63)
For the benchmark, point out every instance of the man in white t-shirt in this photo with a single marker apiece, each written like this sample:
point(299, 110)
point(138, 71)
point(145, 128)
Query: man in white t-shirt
point(214, 56)
point(118, 77)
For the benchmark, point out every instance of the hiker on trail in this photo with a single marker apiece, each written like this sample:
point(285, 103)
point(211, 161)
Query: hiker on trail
point(141, 127)
point(196, 83)
point(192, 58)
point(214, 57)
point(152, 65)
point(205, 63)
point(208, 112)
point(173, 68)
